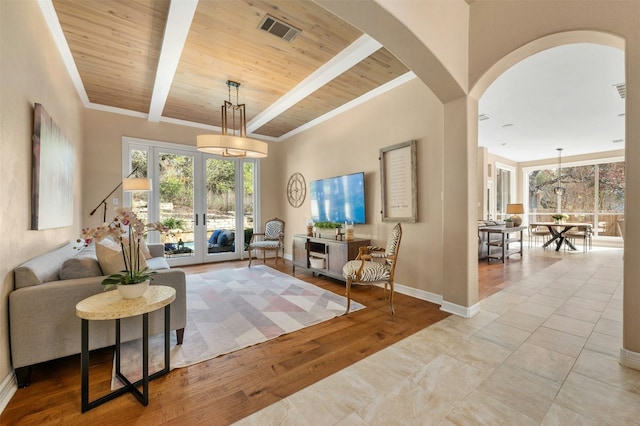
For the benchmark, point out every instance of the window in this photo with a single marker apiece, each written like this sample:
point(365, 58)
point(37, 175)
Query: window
point(593, 193)
point(505, 185)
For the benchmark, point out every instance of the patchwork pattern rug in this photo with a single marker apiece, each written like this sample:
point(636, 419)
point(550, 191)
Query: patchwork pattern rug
point(232, 309)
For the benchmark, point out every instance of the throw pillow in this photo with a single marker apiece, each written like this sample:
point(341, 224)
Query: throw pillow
point(223, 238)
point(144, 249)
point(80, 267)
point(214, 237)
point(231, 236)
point(110, 258)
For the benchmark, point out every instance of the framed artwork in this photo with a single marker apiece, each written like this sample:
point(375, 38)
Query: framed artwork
point(398, 182)
point(52, 174)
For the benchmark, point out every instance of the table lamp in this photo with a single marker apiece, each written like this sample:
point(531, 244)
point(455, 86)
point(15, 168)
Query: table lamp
point(514, 210)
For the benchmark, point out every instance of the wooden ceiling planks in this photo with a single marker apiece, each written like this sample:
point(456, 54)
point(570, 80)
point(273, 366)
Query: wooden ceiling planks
point(379, 68)
point(225, 43)
point(115, 45)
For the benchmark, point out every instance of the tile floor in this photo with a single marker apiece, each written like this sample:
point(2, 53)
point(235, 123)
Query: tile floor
point(544, 351)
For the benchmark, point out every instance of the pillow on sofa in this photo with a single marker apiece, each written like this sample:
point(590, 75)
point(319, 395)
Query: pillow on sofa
point(43, 268)
point(80, 267)
point(222, 239)
point(110, 258)
point(226, 238)
point(214, 237)
point(231, 237)
point(144, 249)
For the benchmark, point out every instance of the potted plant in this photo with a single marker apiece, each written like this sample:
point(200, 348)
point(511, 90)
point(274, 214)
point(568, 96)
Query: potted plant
point(127, 230)
point(329, 225)
point(174, 226)
point(508, 222)
point(560, 217)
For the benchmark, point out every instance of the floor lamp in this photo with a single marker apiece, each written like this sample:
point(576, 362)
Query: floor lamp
point(129, 184)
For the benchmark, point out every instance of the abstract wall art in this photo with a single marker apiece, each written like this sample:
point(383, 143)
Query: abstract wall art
point(52, 174)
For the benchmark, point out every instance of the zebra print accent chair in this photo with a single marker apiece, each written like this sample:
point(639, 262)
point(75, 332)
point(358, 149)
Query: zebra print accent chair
point(272, 239)
point(374, 265)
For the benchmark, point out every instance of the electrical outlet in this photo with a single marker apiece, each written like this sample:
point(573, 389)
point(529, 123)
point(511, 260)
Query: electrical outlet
point(115, 201)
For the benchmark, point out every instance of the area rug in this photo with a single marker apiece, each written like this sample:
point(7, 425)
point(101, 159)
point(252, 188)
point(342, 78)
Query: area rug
point(232, 309)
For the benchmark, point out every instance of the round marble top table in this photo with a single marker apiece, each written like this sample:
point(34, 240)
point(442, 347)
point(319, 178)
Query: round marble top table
point(110, 305)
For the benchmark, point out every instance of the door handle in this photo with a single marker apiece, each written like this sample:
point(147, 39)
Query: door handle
point(196, 219)
point(204, 219)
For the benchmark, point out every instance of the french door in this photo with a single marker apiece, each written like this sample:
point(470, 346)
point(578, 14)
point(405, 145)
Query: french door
point(206, 202)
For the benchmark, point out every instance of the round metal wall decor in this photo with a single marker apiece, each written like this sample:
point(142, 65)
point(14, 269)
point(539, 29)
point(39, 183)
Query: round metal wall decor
point(296, 189)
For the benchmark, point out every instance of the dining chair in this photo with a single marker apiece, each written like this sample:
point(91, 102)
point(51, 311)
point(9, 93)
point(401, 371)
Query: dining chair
point(585, 233)
point(538, 232)
point(621, 227)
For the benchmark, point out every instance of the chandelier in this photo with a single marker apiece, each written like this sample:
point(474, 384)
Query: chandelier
point(233, 142)
point(559, 189)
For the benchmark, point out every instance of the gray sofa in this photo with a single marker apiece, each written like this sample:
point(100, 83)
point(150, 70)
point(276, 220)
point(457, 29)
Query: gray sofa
point(42, 316)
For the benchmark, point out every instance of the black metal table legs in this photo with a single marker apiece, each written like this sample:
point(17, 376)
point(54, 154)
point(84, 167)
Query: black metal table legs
point(143, 396)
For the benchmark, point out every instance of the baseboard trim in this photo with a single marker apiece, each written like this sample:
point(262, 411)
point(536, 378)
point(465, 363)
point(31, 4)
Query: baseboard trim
point(419, 294)
point(629, 359)
point(433, 298)
point(463, 311)
point(8, 388)
point(452, 308)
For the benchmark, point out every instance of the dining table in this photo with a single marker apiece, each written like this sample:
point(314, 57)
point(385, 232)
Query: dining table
point(558, 232)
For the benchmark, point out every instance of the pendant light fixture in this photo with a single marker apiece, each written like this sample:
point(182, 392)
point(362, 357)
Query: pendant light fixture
point(559, 189)
point(233, 142)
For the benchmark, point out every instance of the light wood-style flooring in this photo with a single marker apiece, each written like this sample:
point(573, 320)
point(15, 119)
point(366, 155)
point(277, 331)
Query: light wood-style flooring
point(231, 387)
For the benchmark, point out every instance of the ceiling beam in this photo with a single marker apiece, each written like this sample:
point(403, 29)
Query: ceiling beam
point(398, 81)
point(51, 18)
point(175, 34)
point(360, 49)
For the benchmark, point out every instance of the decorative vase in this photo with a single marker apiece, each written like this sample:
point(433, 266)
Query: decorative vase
point(133, 291)
point(348, 227)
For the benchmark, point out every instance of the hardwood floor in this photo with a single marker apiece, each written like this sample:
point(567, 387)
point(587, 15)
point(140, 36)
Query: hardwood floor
point(231, 387)
point(496, 276)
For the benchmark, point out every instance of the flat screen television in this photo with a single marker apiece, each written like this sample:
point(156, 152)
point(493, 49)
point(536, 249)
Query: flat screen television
point(338, 199)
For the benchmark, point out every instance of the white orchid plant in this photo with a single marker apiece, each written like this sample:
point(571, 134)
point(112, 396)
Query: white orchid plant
point(129, 231)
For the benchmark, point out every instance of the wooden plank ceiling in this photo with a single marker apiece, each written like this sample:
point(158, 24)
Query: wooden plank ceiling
point(116, 46)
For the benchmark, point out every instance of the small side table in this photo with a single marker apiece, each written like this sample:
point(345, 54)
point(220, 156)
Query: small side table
point(504, 241)
point(110, 305)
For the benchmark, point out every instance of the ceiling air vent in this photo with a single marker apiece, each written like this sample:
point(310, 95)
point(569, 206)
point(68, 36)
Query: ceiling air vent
point(482, 117)
point(278, 28)
point(621, 89)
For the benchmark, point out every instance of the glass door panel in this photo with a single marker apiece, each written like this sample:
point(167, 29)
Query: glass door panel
point(207, 202)
point(248, 202)
point(176, 205)
point(140, 199)
point(221, 214)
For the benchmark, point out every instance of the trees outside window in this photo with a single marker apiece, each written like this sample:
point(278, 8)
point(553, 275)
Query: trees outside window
point(593, 193)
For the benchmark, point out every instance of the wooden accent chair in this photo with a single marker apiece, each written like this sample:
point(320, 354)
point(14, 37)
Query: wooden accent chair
point(374, 265)
point(272, 239)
